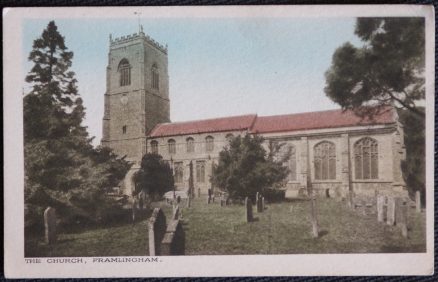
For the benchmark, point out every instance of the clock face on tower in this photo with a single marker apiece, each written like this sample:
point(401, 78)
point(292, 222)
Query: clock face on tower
point(124, 99)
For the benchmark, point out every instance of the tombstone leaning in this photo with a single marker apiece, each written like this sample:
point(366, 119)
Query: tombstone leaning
point(50, 225)
point(263, 203)
point(157, 229)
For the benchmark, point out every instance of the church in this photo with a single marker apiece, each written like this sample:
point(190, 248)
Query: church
point(336, 149)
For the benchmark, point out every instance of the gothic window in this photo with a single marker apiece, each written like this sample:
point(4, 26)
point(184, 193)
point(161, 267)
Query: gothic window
point(172, 146)
point(125, 72)
point(154, 147)
point(325, 160)
point(200, 171)
point(293, 164)
point(366, 159)
point(178, 172)
point(190, 145)
point(155, 77)
point(209, 144)
point(124, 128)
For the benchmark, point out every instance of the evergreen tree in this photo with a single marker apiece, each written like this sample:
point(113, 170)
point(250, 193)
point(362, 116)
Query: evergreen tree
point(62, 169)
point(245, 167)
point(155, 177)
point(387, 70)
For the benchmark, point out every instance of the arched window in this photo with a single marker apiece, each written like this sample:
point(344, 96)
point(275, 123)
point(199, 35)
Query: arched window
point(229, 137)
point(155, 77)
point(200, 171)
point(366, 159)
point(171, 146)
point(190, 144)
point(325, 160)
point(209, 143)
point(293, 164)
point(154, 147)
point(125, 72)
point(178, 172)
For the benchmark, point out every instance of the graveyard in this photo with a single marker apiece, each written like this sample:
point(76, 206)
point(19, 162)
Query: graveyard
point(215, 229)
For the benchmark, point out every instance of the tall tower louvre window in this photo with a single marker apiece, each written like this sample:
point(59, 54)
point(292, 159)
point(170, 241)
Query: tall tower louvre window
point(325, 161)
point(155, 77)
point(124, 128)
point(366, 159)
point(125, 72)
point(171, 146)
point(154, 147)
point(209, 144)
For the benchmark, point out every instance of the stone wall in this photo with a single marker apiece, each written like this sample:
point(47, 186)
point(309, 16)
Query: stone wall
point(131, 111)
point(304, 142)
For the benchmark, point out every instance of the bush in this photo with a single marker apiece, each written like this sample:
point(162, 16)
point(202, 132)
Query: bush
point(274, 195)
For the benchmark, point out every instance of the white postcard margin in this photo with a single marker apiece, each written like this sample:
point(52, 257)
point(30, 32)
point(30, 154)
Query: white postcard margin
point(192, 266)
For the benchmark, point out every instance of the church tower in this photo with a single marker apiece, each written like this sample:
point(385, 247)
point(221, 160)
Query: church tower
point(137, 93)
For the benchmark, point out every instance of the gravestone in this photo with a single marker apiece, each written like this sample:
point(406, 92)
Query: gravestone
point(263, 203)
point(212, 198)
point(380, 208)
point(134, 210)
point(417, 201)
point(50, 225)
point(314, 217)
point(364, 207)
point(403, 218)
point(248, 210)
point(176, 213)
point(258, 202)
point(142, 200)
point(173, 243)
point(390, 211)
point(157, 229)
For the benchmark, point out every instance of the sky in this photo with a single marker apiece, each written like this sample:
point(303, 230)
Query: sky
point(217, 66)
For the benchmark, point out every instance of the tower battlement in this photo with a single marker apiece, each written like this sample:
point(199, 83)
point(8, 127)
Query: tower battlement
point(141, 35)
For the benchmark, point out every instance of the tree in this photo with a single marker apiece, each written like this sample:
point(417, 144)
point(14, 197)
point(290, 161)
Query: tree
point(155, 176)
point(62, 169)
point(245, 168)
point(414, 165)
point(387, 70)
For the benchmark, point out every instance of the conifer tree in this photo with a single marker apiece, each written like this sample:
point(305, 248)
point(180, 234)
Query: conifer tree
point(62, 169)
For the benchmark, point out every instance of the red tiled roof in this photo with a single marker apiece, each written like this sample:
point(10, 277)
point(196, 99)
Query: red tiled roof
point(244, 122)
point(267, 124)
point(318, 120)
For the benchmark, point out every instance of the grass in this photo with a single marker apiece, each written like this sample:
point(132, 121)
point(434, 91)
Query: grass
point(283, 228)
